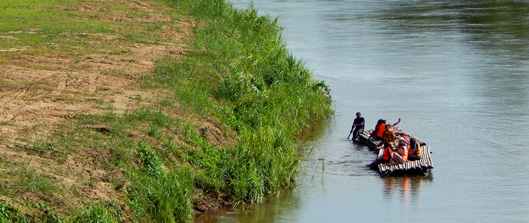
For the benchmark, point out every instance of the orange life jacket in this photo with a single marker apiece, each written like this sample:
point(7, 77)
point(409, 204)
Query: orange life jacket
point(381, 129)
point(404, 151)
point(415, 151)
point(387, 153)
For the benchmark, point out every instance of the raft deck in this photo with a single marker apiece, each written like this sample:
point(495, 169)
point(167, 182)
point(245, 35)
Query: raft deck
point(416, 166)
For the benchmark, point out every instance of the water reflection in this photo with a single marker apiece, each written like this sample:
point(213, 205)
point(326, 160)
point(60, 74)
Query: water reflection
point(271, 210)
point(407, 188)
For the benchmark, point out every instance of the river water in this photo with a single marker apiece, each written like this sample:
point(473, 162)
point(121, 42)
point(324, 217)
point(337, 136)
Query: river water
point(456, 72)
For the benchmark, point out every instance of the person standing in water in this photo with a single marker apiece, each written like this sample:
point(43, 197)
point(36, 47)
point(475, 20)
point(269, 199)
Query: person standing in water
point(358, 126)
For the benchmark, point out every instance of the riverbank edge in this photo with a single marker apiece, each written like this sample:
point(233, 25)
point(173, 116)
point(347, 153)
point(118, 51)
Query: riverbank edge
point(224, 133)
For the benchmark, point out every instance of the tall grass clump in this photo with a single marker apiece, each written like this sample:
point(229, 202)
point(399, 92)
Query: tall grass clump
point(241, 71)
point(157, 194)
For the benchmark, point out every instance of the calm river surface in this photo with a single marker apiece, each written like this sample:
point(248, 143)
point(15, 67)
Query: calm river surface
point(456, 72)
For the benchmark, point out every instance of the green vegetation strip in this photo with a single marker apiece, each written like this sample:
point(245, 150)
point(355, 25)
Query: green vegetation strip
point(238, 72)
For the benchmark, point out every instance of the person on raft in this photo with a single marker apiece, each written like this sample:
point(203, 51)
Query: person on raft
point(358, 126)
point(389, 136)
point(415, 150)
point(380, 128)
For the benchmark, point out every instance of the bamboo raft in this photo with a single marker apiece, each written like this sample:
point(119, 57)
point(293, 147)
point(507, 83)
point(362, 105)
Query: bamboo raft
point(410, 167)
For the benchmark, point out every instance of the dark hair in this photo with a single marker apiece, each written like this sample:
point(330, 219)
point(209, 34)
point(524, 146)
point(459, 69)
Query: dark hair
point(358, 113)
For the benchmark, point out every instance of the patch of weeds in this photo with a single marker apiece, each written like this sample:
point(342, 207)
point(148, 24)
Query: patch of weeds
point(3, 83)
point(167, 102)
point(136, 97)
point(9, 213)
point(129, 60)
point(120, 52)
point(43, 67)
point(136, 14)
point(7, 123)
point(151, 164)
point(103, 89)
point(91, 182)
point(109, 107)
point(45, 148)
point(154, 131)
point(121, 154)
point(118, 183)
point(45, 213)
point(72, 100)
point(28, 180)
point(94, 100)
point(58, 98)
point(99, 212)
point(146, 42)
point(162, 198)
point(156, 116)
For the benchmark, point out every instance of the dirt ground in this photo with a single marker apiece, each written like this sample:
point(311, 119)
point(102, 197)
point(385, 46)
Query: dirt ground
point(41, 91)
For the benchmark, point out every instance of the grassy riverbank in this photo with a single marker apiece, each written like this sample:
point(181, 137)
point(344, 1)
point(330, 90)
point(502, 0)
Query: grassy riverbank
point(211, 124)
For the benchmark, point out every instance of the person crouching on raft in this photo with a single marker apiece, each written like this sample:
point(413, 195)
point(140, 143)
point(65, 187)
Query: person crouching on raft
point(401, 155)
point(386, 157)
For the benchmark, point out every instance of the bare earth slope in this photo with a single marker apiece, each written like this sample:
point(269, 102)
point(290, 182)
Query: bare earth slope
point(44, 85)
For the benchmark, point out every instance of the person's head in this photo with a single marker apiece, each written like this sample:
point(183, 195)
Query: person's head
point(383, 121)
point(402, 140)
point(358, 115)
point(386, 144)
point(388, 127)
point(413, 141)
